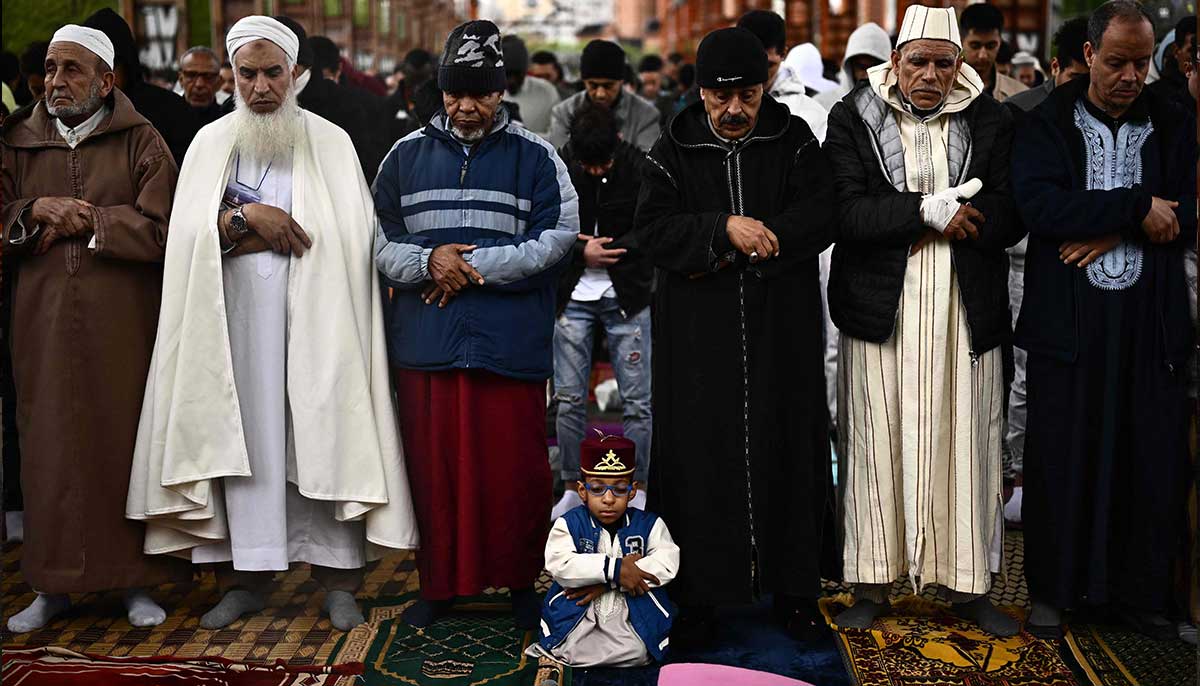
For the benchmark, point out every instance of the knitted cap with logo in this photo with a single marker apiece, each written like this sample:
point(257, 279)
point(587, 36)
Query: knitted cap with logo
point(731, 58)
point(472, 61)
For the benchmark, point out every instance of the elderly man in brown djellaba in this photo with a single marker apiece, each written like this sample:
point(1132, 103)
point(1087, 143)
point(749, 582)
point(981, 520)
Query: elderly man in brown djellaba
point(87, 187)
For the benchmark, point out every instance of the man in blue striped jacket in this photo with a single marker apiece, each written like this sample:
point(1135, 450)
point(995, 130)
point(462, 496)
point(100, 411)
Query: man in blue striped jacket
point(477, 218)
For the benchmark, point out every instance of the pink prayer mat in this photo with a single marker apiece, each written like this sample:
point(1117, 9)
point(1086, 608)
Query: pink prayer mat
point(688, 674)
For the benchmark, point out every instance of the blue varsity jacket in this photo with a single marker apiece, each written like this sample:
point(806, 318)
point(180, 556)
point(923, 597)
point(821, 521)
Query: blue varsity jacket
point(651, 614)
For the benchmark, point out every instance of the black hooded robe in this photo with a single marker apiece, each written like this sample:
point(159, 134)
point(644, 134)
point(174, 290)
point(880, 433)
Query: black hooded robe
point(740, 464)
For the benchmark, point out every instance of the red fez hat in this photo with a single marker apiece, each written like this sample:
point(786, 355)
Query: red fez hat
point(607, 456)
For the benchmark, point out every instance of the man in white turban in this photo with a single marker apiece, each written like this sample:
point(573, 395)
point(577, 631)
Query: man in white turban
point(268, 434)
point(919, 291)
point(86, 187)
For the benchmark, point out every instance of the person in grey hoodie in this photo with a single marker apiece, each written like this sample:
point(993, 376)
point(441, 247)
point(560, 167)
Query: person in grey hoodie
point(868, 46)
point(602, 67)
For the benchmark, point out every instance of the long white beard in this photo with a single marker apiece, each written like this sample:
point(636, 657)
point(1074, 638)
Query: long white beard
point(265, 137)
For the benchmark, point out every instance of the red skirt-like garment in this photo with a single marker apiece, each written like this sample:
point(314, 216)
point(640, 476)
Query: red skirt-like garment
point(475, 446)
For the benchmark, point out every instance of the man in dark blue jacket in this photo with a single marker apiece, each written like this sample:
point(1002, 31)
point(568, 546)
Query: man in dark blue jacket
point(477, 217)
point(1104, 175)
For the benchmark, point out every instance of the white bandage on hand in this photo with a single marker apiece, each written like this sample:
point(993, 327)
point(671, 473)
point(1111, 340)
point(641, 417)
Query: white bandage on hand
point(938, 209)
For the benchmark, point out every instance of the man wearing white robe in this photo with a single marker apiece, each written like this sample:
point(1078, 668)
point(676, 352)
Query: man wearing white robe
point(918, 289)
point(297, 419)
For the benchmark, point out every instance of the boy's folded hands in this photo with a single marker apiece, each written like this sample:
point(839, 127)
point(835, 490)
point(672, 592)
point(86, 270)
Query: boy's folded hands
point(586, 594)
point(633, 580)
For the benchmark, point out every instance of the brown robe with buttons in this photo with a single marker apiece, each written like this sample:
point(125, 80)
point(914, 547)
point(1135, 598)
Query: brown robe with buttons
point(83, 326)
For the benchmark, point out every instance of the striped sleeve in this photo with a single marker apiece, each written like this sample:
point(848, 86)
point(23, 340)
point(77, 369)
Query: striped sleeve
point(401, 257)
point(553, 226)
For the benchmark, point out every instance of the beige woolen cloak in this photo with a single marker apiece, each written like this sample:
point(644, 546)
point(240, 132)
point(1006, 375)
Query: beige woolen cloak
point(346, 443)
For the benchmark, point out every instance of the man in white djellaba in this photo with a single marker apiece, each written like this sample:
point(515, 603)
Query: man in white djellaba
point(268, 434)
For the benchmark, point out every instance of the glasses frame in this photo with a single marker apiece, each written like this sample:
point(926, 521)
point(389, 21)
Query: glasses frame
point(607, 488)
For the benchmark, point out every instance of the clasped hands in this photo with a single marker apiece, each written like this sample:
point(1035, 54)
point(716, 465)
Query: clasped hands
point(450, 272)
point(1160, 225)
point(61, 218)
point(270, 229)
point(947, 216)
point(633, 580)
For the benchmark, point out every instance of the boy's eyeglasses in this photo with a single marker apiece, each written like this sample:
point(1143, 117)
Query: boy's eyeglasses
point(619, 490)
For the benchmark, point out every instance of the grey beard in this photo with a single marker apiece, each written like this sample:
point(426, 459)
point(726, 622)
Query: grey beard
point(265, 137)
point(468, 136)
point(89, 106)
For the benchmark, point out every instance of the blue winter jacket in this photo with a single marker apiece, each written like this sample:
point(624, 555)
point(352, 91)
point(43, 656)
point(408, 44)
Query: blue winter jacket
point(512, 198)
point(651, 615)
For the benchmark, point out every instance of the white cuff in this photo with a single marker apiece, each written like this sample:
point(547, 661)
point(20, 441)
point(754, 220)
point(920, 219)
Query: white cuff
point(25, 234)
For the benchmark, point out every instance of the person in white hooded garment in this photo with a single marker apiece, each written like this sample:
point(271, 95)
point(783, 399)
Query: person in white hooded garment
point(268, 434)
point(805, 61)
point(868, 46)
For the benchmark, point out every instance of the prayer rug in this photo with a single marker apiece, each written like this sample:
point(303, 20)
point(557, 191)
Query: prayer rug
point(475, 644)
point(50, 666)
point(920, 642)
point(1116, 656)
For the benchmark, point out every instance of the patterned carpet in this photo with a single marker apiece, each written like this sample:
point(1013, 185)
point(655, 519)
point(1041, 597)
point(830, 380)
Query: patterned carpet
point(1114, 656)
point(291, 628)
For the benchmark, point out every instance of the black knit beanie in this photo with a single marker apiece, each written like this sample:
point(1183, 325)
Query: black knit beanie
point(730, 58)
point(602, 59)
point(769, 28)
point(471, 61)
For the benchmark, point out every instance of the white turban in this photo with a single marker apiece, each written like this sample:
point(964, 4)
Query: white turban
point(258, 27)
point(933, 23)
point(91, 39)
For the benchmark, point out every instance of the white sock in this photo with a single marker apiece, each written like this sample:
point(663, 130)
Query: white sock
point(569, 501)
point(45, 607)
point(1012, 509)
point(14, 525)
point(639, 500)
point(142, 610)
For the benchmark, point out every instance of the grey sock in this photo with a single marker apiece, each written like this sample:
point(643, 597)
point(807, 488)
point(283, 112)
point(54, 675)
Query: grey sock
point(142, 610)
point(234, 604)
point(988, 617)
point(861, 615)
point(45, 607)
point(343, 610)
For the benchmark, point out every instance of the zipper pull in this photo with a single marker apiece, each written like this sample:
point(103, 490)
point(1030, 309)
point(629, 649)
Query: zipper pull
point(462, 174)
point(974, 359)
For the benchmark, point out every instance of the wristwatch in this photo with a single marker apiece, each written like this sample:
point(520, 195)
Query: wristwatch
point(237, 224)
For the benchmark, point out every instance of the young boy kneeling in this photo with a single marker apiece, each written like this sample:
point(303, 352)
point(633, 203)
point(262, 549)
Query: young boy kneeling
point(609, 561)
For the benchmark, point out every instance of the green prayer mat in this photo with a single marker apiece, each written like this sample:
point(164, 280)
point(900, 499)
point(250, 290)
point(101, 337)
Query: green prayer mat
point(1117, 656)
point(475, 644)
